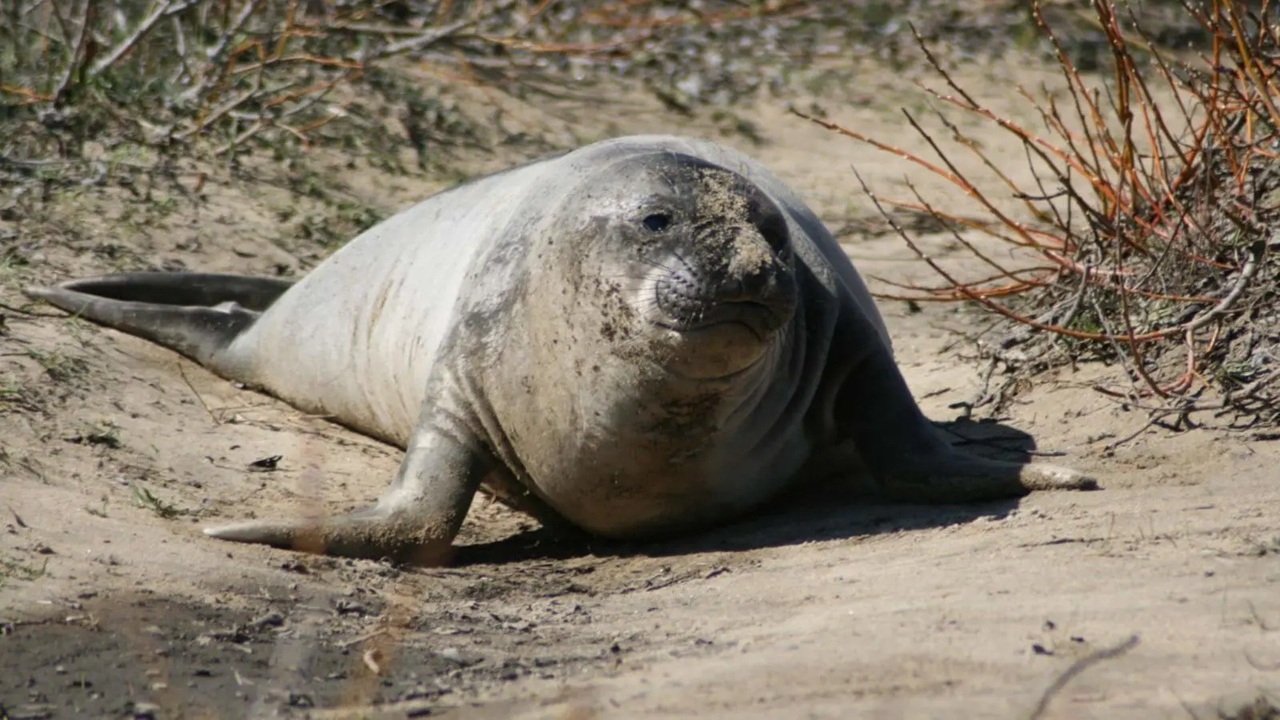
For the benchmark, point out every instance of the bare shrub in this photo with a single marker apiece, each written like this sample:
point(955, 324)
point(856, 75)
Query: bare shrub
point(1155, 217)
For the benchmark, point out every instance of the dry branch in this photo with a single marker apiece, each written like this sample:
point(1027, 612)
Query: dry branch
point(1154, 207)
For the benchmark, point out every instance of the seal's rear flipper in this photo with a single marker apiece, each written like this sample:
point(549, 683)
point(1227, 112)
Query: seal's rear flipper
point(414, 522)
point(368, 533)
point(196, 314)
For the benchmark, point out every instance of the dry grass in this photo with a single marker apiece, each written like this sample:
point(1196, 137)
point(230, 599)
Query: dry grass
point(1151, 228)
point(222, 77)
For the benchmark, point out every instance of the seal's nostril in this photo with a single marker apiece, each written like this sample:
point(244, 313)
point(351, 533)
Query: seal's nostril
point(732, 290)
point(771, 224)
point(754, 284)
point(774, 229)
point(751, 285)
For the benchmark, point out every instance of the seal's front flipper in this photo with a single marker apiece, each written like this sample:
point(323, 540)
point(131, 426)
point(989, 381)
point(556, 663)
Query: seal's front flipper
point(196, 314)
point(949, 476)
point(912, 461)
point(1040, 476)
point(414, 522)
point(370, 533)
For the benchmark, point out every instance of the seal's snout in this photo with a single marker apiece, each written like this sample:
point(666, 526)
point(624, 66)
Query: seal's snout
point(752, 273)
point(746, 288)
point(738, 292)
point(753, 287)
point(736, 273)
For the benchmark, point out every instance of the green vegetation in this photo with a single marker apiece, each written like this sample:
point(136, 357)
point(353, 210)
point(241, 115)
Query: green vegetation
point(145, 499)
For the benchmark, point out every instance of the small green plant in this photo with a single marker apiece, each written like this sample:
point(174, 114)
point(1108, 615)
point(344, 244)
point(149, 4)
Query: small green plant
point(12, 264)
point(59, 366)
point(163, 207)
point(11, 569)
point(104, 434)
point(145, 499)
point(16, 395)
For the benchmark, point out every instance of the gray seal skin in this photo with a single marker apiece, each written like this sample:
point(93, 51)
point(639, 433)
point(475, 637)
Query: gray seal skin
point(644, 336)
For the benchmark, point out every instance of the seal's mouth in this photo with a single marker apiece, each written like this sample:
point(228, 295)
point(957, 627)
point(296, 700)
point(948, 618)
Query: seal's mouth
point(761, 319)
point(722, 342)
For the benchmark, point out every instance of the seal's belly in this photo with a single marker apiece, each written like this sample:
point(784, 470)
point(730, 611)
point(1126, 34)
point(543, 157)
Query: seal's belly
point(661, 497)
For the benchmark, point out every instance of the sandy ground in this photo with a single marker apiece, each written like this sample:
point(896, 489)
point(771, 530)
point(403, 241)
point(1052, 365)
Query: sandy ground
point(114, 453)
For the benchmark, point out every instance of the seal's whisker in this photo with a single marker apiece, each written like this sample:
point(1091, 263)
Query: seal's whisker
point(690, 267)
point(659, 265)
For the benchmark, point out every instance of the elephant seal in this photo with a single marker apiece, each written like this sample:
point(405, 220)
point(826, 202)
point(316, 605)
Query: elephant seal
point(642, 336)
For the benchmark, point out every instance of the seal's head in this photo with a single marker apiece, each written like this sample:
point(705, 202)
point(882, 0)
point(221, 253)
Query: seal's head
point(654, 339)
point(691, 264)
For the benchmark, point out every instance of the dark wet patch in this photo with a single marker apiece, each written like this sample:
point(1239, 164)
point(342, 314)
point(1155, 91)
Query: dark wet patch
point(120, 658)
point(458, 636)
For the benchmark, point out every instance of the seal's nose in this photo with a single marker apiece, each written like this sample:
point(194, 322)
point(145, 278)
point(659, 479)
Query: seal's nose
point(768, 220)
point(752, 270)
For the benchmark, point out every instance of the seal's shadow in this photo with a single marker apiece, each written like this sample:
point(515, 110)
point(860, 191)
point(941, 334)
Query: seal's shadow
point(826, 510)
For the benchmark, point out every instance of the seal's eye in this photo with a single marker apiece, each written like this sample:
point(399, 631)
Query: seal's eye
point(657, 222)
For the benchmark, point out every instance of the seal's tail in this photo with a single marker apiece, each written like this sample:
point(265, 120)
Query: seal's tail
point(196, 314)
